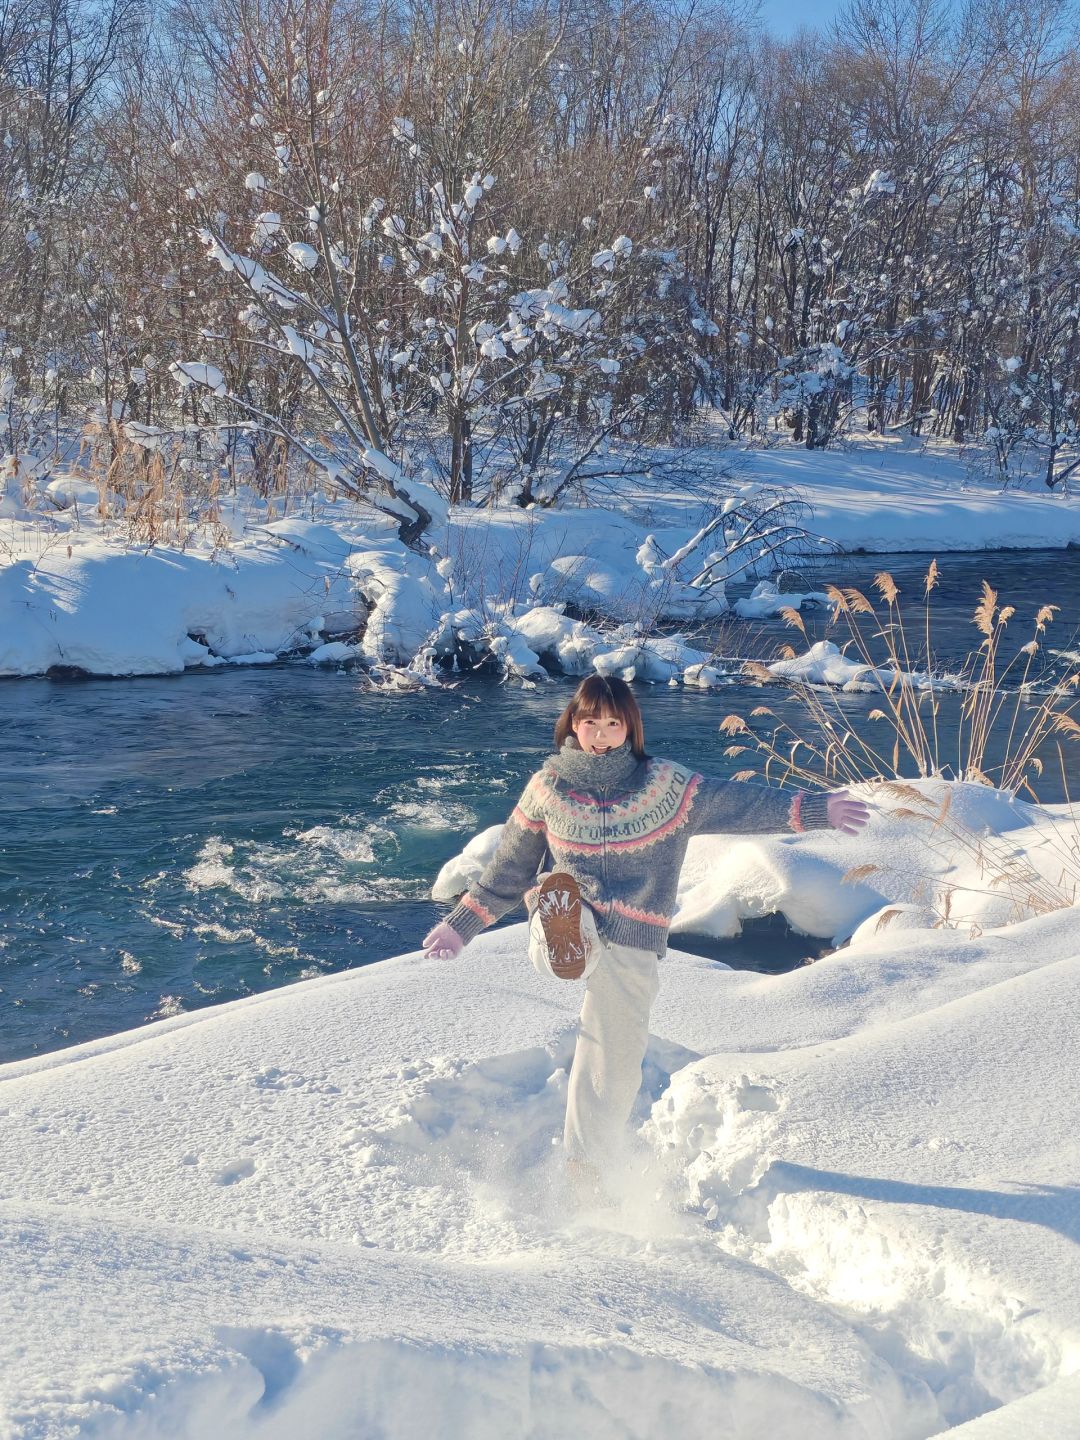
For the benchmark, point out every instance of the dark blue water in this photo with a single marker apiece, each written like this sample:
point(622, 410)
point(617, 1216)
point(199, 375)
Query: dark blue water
point(172, 843)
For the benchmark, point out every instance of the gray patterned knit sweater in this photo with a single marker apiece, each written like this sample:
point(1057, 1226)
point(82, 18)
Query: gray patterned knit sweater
point(620, 826)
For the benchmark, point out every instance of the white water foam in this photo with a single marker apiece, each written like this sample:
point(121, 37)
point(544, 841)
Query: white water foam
point(435, 815)
point(311, 865)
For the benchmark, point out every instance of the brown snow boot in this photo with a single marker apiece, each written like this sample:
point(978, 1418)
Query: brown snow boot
point(558, 904)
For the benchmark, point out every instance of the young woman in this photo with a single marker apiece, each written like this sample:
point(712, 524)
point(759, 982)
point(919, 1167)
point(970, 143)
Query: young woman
point(612, 824)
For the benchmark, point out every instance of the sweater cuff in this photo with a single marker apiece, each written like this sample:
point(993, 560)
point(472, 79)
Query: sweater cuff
point(809, 812)
point(469, 917)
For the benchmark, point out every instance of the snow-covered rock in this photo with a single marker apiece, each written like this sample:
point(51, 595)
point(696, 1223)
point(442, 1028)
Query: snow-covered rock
point(766, 600)
point(826, 664)
point(334, 652)
point(574, 648)
point(570, 644)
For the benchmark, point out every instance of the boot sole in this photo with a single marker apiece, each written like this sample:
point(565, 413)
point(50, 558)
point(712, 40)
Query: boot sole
point(558, 904)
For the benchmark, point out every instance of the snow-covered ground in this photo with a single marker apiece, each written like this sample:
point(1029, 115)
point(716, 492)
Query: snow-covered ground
point(74, 593)
point(889, 494)
point(850, 1208)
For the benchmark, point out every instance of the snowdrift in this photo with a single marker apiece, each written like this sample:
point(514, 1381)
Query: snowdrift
point(850, 1209)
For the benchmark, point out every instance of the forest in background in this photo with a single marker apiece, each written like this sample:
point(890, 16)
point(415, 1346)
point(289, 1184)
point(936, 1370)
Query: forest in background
point(488, 239)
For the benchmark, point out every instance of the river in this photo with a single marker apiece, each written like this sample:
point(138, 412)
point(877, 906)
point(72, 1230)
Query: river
point(171, 843)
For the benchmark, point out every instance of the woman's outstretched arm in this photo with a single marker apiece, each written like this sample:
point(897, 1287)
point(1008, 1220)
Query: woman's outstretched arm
point(508, 874)
point(742, 807)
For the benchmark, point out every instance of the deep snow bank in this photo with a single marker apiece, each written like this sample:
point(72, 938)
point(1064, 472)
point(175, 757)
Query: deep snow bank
point(918, 1175)
point(885, 494)
point(93, 604)
point(340, 587)
point(336, 1208)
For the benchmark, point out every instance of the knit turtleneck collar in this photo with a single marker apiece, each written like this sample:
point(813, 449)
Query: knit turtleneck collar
point(613, 771)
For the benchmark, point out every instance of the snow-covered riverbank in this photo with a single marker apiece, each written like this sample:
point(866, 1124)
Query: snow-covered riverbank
point(334, 1209)
point(887, 495)
point(334, 583)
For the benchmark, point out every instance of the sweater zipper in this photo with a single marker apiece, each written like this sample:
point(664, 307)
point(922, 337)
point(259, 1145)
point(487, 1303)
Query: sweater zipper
point(603, 848)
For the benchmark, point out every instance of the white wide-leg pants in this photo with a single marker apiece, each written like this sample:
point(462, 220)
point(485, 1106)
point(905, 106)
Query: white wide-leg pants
point(613, 1033)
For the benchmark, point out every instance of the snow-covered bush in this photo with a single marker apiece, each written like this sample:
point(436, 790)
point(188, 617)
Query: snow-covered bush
point(479, 334)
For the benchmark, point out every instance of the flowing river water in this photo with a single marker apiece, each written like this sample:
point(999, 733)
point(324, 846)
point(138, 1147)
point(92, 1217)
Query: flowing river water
point(171, 843)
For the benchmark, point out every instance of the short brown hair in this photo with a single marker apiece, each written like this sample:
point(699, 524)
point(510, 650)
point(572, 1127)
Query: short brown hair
point(604, 695)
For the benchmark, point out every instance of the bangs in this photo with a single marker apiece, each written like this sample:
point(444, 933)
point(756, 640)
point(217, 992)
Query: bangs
point(599, 708)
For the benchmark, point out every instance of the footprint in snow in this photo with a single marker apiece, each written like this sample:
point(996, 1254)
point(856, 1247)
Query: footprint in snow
point(235, 1170)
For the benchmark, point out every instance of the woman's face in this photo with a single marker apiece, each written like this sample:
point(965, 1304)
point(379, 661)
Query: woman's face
point(597, 734)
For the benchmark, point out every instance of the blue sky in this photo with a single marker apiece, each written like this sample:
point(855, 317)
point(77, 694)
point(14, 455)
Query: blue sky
point(783, 17)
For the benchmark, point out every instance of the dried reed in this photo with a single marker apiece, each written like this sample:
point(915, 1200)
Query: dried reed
point(996, 706)
point(1000, 709)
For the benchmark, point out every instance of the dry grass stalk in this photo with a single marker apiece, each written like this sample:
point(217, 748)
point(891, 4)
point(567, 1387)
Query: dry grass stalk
point(996, 699)
point(835, 752)
point(159, 496)
point(984, 611)
point(754, 670)
point(858, 873)
point(887, 587)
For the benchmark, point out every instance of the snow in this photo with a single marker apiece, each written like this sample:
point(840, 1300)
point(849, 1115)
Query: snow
point(766, 600)
point(888, 495)
point(575, 648)
point(406, 607)
point(148, 437)
point(189, 373)
point(334, 652)
point(68, 490)
point(266, 225)
point(587, 558)
point(849, 1209)
point(298, 345)
point(303, 256)
point(825, 664)
point(621, 569)
point(1054, 1411)
point(117, 611)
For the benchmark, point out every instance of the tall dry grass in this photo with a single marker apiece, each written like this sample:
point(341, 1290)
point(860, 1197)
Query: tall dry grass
point(1013, 715)
point(1010, 710)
